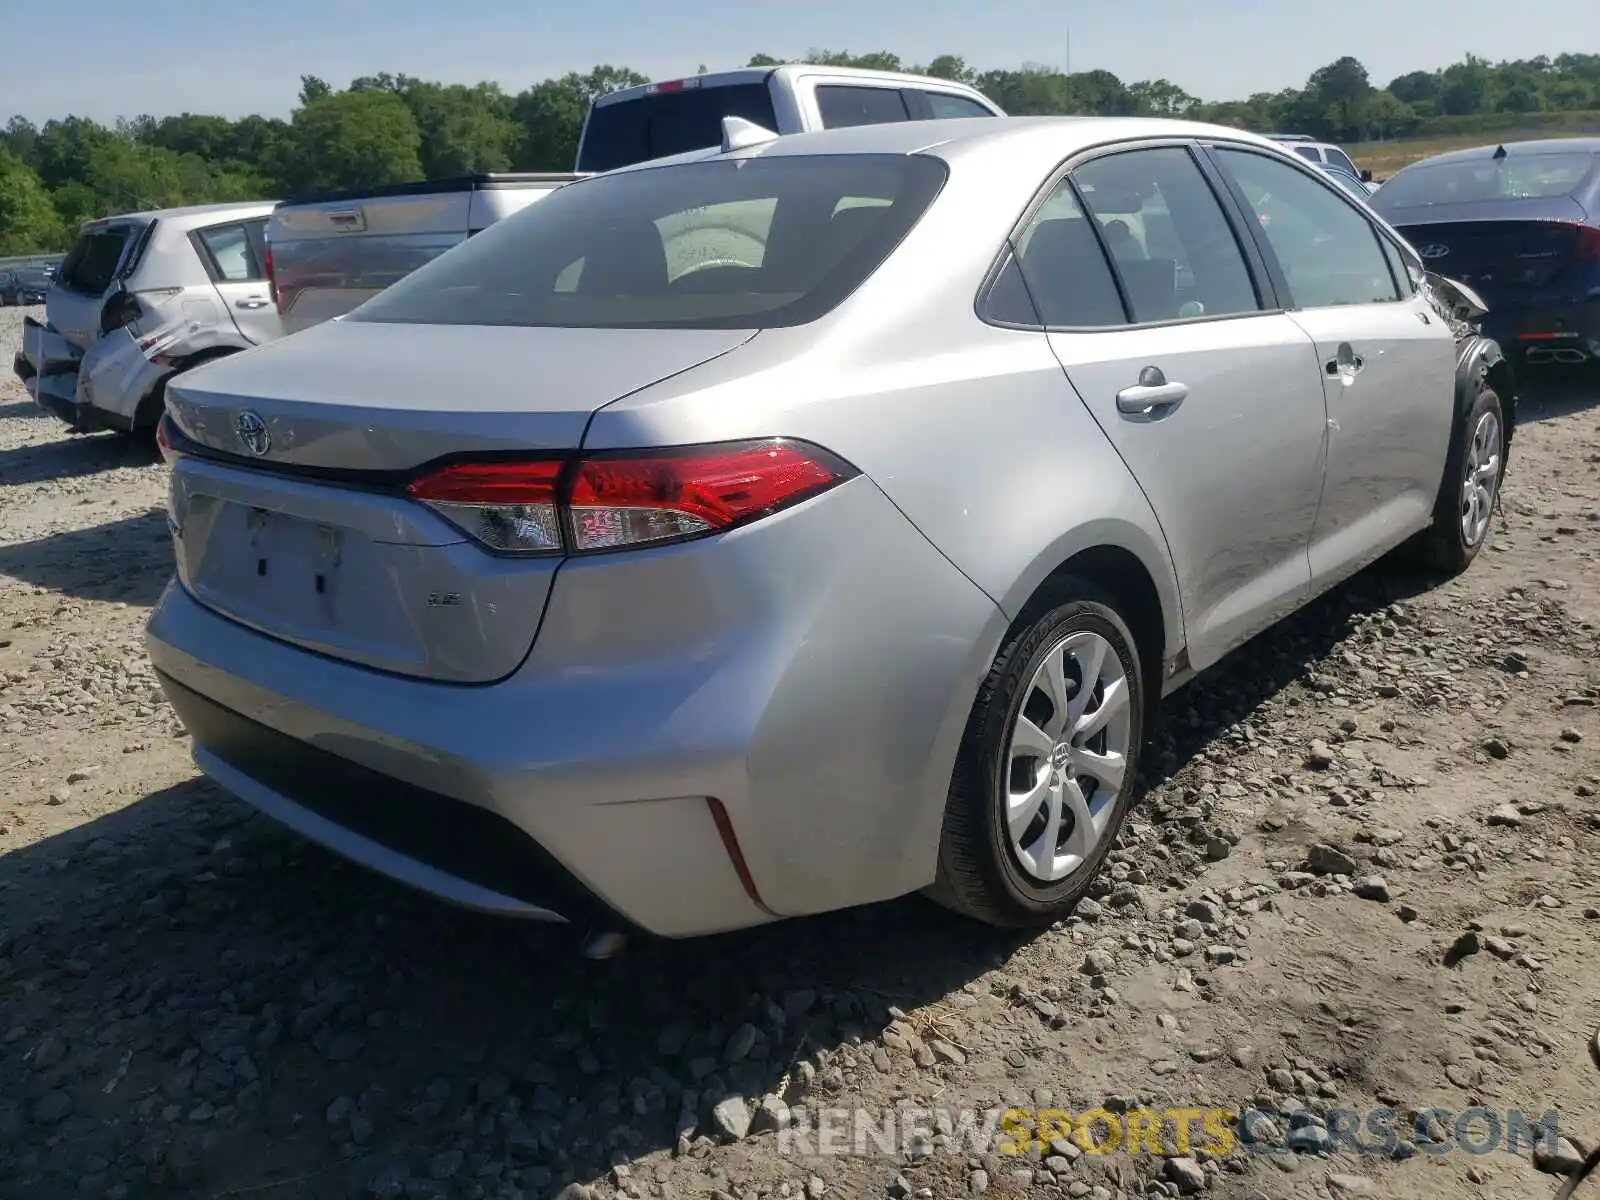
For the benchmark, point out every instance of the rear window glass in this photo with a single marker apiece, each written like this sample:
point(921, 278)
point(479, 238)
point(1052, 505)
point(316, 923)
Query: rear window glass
point(667, 123)
point(1516, 177)
point(91, 264)
point(743, 244)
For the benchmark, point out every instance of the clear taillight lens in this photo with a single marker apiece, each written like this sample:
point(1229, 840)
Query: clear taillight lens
point(617, 501)
point(508, 506)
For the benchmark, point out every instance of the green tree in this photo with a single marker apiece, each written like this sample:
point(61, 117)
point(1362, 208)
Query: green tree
point(1161, 98)
point(950, 66)
point(28, 220)
point(1337, 93)
point(464, 129)
point(353, 140)
point(551, 115)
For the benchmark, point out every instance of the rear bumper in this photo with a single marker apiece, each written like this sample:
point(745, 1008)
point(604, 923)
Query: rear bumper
point(811, 674)
point(1545, 324)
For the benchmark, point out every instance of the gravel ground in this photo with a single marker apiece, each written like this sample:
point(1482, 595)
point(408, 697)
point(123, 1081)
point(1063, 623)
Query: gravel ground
point(1367, 873)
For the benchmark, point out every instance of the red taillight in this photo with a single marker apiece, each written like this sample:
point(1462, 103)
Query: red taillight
point(272, 279)
point(616, 501)
point(628, 501)
point(1588, 241)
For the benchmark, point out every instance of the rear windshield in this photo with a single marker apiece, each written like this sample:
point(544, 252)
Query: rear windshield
point(742, 244)
point(1518, 177)
point(91, 264)
point(667, 123)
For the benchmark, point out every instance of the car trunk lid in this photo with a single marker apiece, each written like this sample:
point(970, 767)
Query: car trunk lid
point(1503, 256)
point(303, 534)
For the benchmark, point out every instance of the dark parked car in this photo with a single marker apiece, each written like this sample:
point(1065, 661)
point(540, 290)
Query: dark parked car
point(24, 285)
point(1520, 224)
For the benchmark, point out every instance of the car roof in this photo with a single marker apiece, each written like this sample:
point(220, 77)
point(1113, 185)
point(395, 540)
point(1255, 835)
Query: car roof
point(199, 214)
point(1037, 141)
point(1573, 145)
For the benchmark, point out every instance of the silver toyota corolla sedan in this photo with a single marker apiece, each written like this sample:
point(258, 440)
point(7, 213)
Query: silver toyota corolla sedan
point(805, 521)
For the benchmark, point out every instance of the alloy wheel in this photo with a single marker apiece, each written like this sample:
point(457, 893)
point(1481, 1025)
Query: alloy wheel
point(1067, 756)
point(1480, 478)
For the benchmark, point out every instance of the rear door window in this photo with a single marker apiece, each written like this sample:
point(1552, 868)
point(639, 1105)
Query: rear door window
point(937, 106)
point(233, 259)
point(1168, 237)
point(841, 106)
point(1310, 153)
point(1058, 274)
point(660, 124)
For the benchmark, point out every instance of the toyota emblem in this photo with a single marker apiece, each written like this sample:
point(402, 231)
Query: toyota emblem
point(1433, 250)
point(252, 432)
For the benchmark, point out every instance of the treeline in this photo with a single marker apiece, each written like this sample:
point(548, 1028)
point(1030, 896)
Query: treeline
point(395, 128)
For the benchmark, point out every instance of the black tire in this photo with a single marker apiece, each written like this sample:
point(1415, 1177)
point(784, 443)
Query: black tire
point(1444, 545)
point(978, 871)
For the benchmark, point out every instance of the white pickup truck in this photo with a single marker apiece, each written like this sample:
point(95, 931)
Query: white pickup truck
point(326, 254)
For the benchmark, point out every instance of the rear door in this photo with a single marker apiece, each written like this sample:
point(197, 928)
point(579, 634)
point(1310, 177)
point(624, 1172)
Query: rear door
point(1211, 398)
point(1388, 363)
point(233, 257)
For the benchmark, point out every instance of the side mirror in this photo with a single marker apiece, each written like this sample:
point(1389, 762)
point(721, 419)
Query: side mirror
point(1366, 175)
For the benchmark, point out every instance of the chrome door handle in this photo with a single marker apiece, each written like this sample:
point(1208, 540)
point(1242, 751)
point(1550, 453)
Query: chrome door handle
point(1150, 393)
point(1345, 361)
point(253, 302)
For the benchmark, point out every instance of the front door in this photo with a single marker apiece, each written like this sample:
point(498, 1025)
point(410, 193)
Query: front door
point(1388, 362)
point(234, 259)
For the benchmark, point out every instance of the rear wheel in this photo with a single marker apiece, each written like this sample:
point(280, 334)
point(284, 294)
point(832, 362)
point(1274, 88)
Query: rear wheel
point(1047, 768)
point(1463, 515)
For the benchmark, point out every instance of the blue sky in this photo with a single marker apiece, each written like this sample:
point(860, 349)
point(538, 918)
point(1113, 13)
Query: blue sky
point(233, 57)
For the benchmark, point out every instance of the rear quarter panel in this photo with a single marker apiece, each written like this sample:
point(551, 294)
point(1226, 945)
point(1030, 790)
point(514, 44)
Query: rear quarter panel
point(972, 430)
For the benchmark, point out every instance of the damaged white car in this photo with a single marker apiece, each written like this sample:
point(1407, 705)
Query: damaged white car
point(138, 299)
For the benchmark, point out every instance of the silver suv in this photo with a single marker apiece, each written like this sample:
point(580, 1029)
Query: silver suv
point(139, 298)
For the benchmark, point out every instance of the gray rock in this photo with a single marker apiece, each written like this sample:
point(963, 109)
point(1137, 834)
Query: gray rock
point(732, 1118)
point(1188, 1175)
point(53, 1107)
point(1099, 962)
point(1469, 943)
point(1373, 887)
point(344, 1045)
point(1562, 1159)
point(672, 1039)
point(1323, 859)
point(1351, 1185)
point(947, 1052)
point(741, 1043)
point(771, 1114)
point(445, 1165)
point(1506, 815)
point(978, 1182)
point(50, 1051)
point(1319, 755)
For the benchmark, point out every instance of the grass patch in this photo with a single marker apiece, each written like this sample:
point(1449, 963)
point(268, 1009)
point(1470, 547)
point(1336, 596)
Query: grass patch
point(1385, 158)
